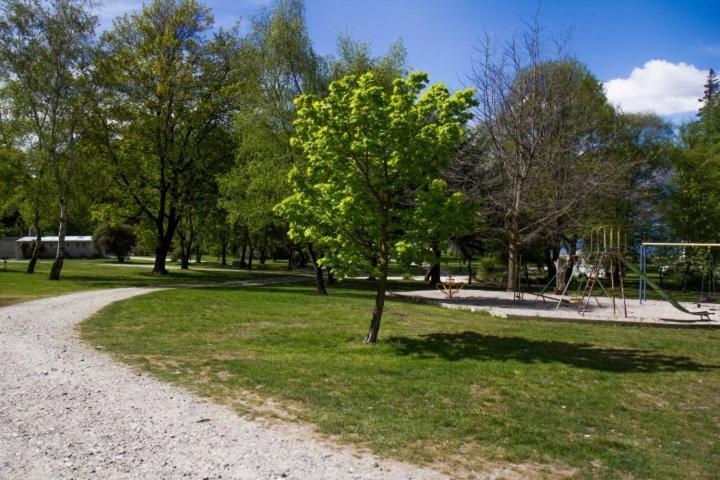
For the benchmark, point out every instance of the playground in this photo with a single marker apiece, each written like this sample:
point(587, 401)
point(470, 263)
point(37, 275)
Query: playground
point(504, 304)
point(591, 285)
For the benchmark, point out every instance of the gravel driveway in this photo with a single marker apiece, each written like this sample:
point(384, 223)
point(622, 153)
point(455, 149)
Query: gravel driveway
point(67, 411)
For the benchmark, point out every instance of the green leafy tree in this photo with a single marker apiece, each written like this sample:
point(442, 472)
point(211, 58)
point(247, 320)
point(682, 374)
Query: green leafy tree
point(694, 209)
point(282, 66)
point(167, 89)
point(355, 58)
point(373, 163)
point(46, 51)
point(117, 238)
point(711, 93)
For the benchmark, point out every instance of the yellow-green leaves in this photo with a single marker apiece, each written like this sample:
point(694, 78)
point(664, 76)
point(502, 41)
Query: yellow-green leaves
point(373, 162)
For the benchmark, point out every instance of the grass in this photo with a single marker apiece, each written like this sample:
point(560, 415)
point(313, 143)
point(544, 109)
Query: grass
point(451, 389)
point(77, 275)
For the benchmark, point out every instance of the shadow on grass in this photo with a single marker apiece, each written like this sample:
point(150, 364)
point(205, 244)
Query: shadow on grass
point(477, 346)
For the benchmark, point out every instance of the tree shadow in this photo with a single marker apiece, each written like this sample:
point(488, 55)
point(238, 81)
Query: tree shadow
point(481, 347)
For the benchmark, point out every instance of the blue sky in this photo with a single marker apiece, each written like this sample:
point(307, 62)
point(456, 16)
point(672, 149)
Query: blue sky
point(617, 40)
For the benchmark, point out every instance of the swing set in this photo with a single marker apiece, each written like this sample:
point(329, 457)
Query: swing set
point(708, 288)
point(598, 268)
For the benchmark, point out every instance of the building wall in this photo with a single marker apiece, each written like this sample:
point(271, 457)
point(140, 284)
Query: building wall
point(7, 247)
point(73, 249)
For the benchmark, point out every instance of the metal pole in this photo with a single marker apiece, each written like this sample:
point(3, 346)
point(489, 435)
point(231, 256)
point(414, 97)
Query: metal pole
point(642, 274)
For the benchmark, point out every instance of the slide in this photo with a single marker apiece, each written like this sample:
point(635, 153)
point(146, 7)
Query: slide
point(702, 314)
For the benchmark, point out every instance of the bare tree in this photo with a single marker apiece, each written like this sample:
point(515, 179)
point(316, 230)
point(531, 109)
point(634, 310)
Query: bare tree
point(543, 129)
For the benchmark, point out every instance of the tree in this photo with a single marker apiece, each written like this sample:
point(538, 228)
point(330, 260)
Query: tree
point(543, 127)
point(372, 161)
point(283, 66)
point(46, 50)
point(167, 88)
point(117, 238)
point(710, 93)
point(355, 58)
point(694, 207)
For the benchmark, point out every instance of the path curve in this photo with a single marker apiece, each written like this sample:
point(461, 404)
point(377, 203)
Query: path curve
point(67, 411)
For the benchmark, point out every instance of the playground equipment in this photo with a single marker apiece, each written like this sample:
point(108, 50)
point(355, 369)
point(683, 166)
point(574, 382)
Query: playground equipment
point(708, 281)
point(707, 287)
point(601, 266)
point(450, 287)
point(603, 255)
point(607, 242)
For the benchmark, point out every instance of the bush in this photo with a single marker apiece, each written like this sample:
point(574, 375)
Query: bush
point(490, 269)
point(117, 238)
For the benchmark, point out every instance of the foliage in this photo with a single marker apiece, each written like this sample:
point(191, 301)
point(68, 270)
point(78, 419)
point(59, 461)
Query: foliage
point(490, 268)
point(167, 88)
point(355, 58)
point(372, 158)
point(117, 238)
point(694, 209)
point(45, 55)
point(282, 65)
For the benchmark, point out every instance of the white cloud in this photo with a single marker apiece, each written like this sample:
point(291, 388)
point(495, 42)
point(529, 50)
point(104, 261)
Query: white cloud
point(660, 87)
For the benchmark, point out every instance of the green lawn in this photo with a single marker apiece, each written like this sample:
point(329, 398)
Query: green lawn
point(18, 286)
point(452, 389)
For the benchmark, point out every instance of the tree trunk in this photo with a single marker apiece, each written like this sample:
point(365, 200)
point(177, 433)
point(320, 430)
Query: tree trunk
point(686, 276)
point(433, 275)
point(469, 269)
point(223, 252)
point(331, 277)
point(243, 250)
point(164, 240)
point(302, 259)
point(379, 298)
point(550, 263)
point(60, 255)
point(319, 281)
point(198, 254)
point(161, 251)
point(37, 248)
point(184, 259)
point(513, 249)
point(250, 256)
point(513, 252)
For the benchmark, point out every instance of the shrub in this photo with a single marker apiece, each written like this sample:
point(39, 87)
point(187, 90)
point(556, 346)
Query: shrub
point(117, 238)
point(489, 268)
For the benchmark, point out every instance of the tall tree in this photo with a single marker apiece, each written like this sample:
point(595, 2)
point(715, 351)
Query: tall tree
point(283, 66)
point(543, 125)
point(371, 173)
point(694, 211)
point(711, 92)
point(356, 58)
point(167, 89)
point(46, 51)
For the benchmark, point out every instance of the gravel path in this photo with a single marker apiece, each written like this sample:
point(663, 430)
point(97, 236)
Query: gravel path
point(67, 411)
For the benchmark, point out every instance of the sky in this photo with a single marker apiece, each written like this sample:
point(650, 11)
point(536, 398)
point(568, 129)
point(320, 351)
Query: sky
point(651, 55)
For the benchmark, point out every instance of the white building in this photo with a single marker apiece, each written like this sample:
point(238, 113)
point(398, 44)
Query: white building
point(75, 247)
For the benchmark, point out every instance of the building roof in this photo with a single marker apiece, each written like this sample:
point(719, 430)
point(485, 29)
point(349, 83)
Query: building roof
point(68, 238)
